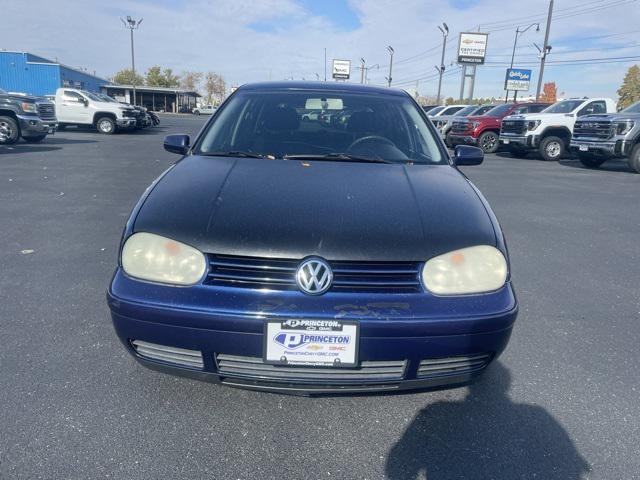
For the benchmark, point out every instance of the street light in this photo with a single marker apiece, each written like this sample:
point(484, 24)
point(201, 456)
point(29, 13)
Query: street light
point(362, 64)
point(390, 50)
point(445, 33)
point(132, 25)
point(513, 54)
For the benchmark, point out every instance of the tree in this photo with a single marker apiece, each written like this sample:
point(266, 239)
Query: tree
point(450, 101)
point(549, 93)
point(157, 77)
point(126, 77)
point(629, 91)
point(190, 80)
point(215, 87)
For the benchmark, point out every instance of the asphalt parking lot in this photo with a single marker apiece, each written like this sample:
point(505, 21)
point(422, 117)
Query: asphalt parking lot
point(561, 403)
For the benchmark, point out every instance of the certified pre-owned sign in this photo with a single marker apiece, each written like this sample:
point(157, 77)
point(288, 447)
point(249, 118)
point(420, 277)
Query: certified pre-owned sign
point(341, 69)
point(517, 79)
point(472, 48)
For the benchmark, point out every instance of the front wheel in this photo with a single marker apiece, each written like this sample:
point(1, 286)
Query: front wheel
point(9, 132)
point(106, 125)
point(590, 161)
point(196, 112)
point(634, 159)
point(488, 142)
point(552, 149)
point(34, 138)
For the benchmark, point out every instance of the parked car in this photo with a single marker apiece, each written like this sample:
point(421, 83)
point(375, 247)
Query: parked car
point(549, 132)
point(277, 257)
point(32, 118)
point(143, 120)
point(447, 110)
point(598, 138)
point(428, 108)
point(484, 130)
point(155, 119)
point(79, 107)
point(444, 122)
point(205, 110)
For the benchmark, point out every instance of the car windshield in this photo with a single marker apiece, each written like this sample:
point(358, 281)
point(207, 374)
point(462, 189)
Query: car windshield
point(482, 110)
point(635, 108)
point(436, 110)
point(326, 125)
point(92, 96)
point(107, 98)
point(565, 106)
point(465, 111)
point(499, 111)
point(452, 110)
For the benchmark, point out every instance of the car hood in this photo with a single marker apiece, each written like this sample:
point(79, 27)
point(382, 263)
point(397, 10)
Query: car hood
point(484, 120)
point(23, 98)
point(536, 116)
point(336, 210)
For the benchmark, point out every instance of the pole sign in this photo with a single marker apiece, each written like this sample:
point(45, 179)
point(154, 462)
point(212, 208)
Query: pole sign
point(341, 69)
point(518, 79)
point(472, 48)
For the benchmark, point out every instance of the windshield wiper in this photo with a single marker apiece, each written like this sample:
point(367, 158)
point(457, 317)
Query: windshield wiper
point(235, 153)
point(330, 157)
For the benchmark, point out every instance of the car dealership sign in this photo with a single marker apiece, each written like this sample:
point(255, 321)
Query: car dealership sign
point(341, 69)
point(472, 48)
point(517, 79)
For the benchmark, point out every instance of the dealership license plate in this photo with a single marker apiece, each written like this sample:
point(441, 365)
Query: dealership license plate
point(583, 148)
point(506, 142)
point(320, 343)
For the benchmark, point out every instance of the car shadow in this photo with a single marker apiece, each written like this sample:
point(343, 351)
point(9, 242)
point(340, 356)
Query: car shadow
point(62, 141)
point(613, 165)
point(26, 148)
point(486, 435)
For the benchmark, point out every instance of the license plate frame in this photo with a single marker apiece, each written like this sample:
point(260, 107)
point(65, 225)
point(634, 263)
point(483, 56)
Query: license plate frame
point(311, 343)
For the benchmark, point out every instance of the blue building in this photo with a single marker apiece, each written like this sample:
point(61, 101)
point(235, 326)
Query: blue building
point(27, 73)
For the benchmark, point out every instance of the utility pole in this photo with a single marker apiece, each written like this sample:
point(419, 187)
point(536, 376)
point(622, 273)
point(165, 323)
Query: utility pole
point(132, 25)
point(390, 50)
point(445, 33)
point(513, 54)
point(545, 50)
point(325, 64)
point(362, 63)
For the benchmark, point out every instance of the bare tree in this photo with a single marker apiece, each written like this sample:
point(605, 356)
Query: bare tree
point(190, 80)
point(214, 87)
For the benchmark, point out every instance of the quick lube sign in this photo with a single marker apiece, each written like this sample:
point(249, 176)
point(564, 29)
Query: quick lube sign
point(517, 79)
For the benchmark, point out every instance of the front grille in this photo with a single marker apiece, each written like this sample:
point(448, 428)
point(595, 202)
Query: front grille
point(163, 353)
point(254, 368)
point(279, 274)
point(513, 126)
point(436, 367)
point(460, 127)
point(600, 129)
point(47, 111)
point(129, 113)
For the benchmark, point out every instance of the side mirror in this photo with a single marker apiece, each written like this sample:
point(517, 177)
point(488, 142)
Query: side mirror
point(177, 144)
point(466, 155)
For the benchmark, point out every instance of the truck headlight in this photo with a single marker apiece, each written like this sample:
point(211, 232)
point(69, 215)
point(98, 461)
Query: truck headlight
point(151, 257)
point(469, 270)
point(29, 107)
point(475, 125)
point(625, 127)
point(533, 124)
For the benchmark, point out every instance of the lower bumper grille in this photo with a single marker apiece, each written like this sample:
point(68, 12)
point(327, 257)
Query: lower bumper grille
point(602, 130)
point(513, 126)
point(255, 368)
point(47, 111)
point(163, 353)
point(434, 367)
point(461, 128)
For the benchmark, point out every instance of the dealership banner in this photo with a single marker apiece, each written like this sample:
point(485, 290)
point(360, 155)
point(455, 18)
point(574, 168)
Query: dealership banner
point(472, 48)
point(517, 79)
point(341, 69)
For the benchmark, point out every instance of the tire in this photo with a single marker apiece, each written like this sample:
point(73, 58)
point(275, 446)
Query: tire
point(106, 125)
point(591, 161)
point(488, 142)
point(634, 159)
point(518, 152)
point(552, 149)
point(34, 138)
point(9, 131)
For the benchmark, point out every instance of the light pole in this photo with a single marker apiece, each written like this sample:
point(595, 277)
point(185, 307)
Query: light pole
point(132, 25)
point(445, 33)
point(513, 54)
point(390, 50)
point(362, 64)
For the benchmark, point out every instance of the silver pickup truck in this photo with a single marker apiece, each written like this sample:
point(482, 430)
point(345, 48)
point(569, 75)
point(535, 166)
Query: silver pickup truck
point(597, 138)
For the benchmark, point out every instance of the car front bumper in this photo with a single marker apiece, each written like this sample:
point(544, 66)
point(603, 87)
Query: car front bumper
point(126, 122)
point(32, 125)
point(612, 148)
point(463, 140)
point(430, 341)
point(522, 141)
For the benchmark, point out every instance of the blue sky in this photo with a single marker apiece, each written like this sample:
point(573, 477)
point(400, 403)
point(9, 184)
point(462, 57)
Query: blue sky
point(255, 40)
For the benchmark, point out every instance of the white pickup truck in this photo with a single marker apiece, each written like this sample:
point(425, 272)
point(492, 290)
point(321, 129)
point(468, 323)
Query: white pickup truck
point(549, 131)
point(79, 107)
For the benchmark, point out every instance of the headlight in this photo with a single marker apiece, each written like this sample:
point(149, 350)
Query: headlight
point(29, 107)
point(159, 259)
point(624, 127)
point(469, 270)
point(475, 125)
point(533, 124)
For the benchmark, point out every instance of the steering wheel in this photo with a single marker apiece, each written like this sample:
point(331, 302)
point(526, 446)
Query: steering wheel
point(370, 139)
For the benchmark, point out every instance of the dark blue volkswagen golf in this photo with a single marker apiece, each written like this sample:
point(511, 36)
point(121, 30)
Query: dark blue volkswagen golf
point(315, 238)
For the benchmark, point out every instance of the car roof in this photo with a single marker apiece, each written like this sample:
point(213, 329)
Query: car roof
point(328, 86)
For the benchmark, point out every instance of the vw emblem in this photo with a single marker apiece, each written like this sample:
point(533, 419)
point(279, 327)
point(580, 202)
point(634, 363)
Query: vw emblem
point(314, 276)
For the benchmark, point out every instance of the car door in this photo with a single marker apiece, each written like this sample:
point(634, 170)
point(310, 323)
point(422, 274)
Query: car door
point(74, 108)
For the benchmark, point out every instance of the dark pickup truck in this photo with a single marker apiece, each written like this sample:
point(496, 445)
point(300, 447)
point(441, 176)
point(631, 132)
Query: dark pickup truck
point(32, 118)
